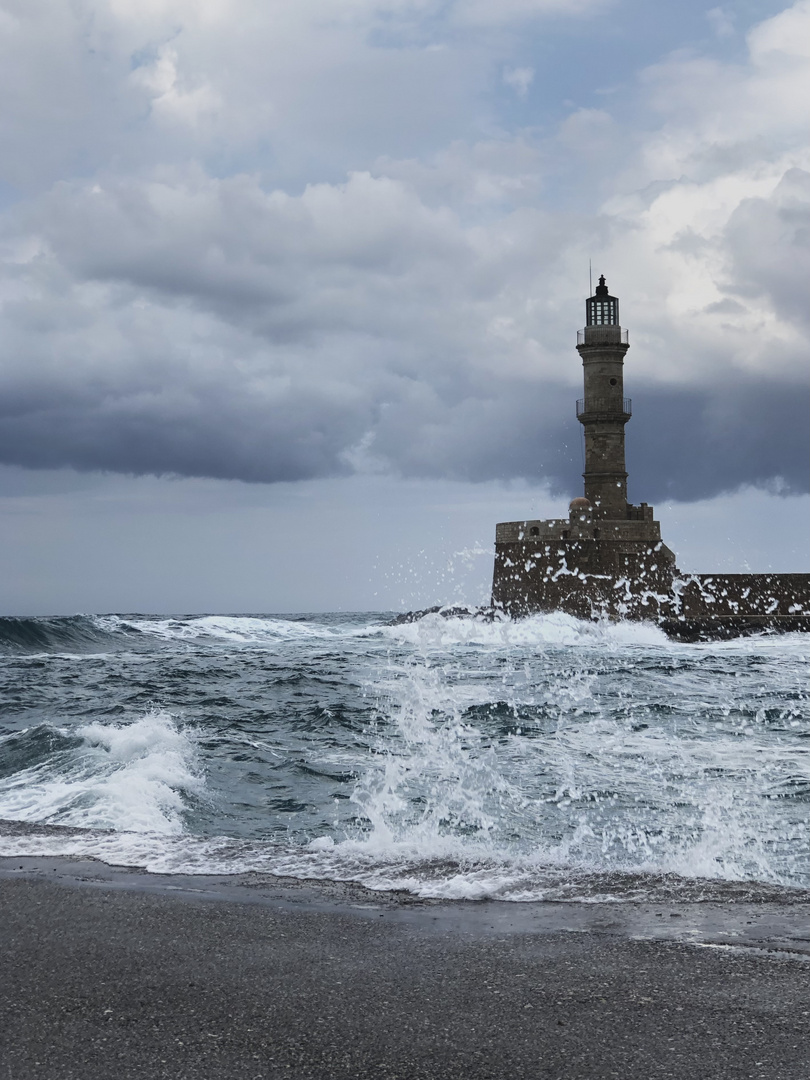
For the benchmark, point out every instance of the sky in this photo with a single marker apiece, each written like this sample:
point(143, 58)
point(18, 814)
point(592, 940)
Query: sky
point(289, 292)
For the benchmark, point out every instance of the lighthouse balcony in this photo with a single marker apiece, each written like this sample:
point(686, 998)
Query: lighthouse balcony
point(598, 407)
point(603, 335)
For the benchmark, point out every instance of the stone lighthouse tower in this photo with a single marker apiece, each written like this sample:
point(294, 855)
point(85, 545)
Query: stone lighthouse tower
point(607, 557)
point(604, 410)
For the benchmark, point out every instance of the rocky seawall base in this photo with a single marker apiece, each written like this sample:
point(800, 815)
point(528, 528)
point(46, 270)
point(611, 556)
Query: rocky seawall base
point(719, 628)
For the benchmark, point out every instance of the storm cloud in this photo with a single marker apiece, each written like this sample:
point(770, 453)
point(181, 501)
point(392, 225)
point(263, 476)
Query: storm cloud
point(242, 243)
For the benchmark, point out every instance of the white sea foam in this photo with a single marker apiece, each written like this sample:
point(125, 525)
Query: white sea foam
point(242, 629)
point(439, 795)
point(128, 777)
point(460, 872)
point(233, 629)
point(435, 631)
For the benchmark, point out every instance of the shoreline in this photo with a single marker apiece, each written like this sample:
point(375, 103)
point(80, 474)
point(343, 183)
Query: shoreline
point(109, 971)
point(782, 925)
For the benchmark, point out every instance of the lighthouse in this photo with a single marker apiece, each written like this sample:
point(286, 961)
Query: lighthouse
point(607, 557)
point(604, 410)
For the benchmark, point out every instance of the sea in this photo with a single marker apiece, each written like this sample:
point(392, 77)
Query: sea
point(453, 757)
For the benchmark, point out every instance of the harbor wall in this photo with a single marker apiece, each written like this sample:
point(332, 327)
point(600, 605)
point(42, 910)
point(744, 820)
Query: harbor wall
point(580, 580)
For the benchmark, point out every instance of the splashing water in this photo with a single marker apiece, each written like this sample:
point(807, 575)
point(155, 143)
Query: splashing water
point(545, 758)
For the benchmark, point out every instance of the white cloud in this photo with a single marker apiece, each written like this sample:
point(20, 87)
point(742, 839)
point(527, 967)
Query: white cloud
point(784, 35)
point(316, 87)
point(170, 100)
point(721, 21)
point(520, 79)
point(709, 105)
point(712, 205)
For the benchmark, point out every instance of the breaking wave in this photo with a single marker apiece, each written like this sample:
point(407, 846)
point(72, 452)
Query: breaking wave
point(454, 757)
point(133, 777)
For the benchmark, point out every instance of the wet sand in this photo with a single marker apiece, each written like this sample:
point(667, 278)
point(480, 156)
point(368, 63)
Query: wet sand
point(108, 973)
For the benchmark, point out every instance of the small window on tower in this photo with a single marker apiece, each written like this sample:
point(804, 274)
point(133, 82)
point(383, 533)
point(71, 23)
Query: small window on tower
point(613, 382)
point(534, 531)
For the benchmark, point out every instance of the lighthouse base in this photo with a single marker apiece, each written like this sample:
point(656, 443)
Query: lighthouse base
point(585, 565)
point(621, 569)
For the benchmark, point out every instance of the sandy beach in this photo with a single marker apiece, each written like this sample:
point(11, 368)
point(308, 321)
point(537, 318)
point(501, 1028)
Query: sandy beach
point(114, 973)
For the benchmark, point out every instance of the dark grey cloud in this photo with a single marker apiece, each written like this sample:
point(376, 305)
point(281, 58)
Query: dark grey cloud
point(689, 445)
point(196, 433)
point(682, 444)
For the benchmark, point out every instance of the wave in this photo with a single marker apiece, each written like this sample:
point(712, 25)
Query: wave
point(250, 629)
point(140, 777)
point(435, 630)
point(542, 758)
point(439, 814)
point(93, 634)
point(64, 633)
point(459, 872)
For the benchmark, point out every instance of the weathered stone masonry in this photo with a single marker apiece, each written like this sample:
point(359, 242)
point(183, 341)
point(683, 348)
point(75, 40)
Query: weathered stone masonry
point(607, 559)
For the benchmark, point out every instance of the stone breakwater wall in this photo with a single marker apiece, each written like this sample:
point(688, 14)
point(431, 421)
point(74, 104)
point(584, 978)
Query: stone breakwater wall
point(698, 596)
point(582, 577)
point(727, 605)
point(528, 581)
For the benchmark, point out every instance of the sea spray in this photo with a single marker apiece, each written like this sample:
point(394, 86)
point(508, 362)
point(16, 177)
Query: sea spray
point(454, 757)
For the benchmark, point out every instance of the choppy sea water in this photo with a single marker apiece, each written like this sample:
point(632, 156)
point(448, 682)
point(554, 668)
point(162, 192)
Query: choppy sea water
point(545, 758)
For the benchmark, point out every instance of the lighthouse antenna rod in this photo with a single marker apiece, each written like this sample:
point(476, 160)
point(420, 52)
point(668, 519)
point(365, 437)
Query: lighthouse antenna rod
point(590, 279)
